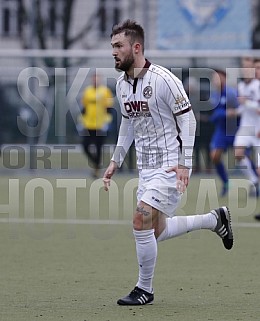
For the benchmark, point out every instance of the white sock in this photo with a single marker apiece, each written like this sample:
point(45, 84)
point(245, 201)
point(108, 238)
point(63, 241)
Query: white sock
point(146, 251)
point(179, 225)
point(247, 170)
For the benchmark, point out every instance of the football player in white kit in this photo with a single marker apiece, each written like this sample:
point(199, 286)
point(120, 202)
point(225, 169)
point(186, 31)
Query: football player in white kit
point(247, 134)
point(157, 115)
point(257, 69)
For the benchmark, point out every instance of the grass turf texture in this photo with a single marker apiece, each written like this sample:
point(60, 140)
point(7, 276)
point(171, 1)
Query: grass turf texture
point(77, 272)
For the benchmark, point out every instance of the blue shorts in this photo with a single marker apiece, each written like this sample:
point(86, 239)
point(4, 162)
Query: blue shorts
point(221, 141)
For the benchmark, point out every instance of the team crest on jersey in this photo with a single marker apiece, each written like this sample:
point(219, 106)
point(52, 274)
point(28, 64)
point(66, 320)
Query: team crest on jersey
point(147, 92)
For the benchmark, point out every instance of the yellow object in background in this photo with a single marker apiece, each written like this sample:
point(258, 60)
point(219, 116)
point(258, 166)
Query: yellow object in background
point(95, 101)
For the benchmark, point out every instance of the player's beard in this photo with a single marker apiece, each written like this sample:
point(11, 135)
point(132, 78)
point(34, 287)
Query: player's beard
point(126, 64)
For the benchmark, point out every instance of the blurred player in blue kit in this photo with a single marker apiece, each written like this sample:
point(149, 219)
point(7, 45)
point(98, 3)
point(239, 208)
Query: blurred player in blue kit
point(157, 116)
point(223, 98)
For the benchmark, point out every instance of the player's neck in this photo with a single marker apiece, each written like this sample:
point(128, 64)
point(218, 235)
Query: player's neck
point(137, 66)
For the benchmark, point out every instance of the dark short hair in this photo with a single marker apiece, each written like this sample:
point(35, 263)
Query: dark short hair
point(131, 29)
point(256, 60)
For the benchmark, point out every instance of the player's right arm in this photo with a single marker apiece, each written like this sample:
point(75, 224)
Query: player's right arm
point(108, 174)
point(125, 139)
point(126, 132)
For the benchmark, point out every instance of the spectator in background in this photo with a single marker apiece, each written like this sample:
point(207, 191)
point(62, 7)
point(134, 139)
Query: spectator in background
point(223, 98)
point(204, 127)
point(96, 100)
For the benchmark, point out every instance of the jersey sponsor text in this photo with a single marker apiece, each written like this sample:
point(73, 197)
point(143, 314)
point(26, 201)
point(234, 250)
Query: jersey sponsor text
point(137, 108)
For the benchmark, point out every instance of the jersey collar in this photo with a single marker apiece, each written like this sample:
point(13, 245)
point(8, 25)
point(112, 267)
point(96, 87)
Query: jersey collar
point(140, 75)
point(142, 72)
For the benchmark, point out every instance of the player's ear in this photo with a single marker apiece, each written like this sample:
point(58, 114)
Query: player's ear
point(137, 47)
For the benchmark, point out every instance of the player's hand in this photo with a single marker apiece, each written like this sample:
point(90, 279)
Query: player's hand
point(182, 175)
point(108, 174)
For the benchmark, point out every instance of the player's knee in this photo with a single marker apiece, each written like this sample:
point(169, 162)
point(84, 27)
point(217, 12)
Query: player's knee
point(215, 158)
point(239, 157)
point(138, 223)
point(239, 153)
point(141, 222)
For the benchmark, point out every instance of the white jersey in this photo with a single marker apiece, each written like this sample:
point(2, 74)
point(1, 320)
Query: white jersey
point(152, 102)
point(249, 116)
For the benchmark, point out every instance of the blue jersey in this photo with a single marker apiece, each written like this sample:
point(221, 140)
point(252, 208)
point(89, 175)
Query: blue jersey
point(225, 127)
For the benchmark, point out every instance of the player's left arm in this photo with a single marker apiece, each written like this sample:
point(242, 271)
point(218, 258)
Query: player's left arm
point(184, 117)
point(186, 124)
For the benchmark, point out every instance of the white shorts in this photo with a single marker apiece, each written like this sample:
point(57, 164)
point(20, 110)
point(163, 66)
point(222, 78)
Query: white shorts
point(158, 189)
point(246, 137)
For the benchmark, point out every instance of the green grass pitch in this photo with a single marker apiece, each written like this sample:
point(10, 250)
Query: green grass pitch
point(67, 253)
